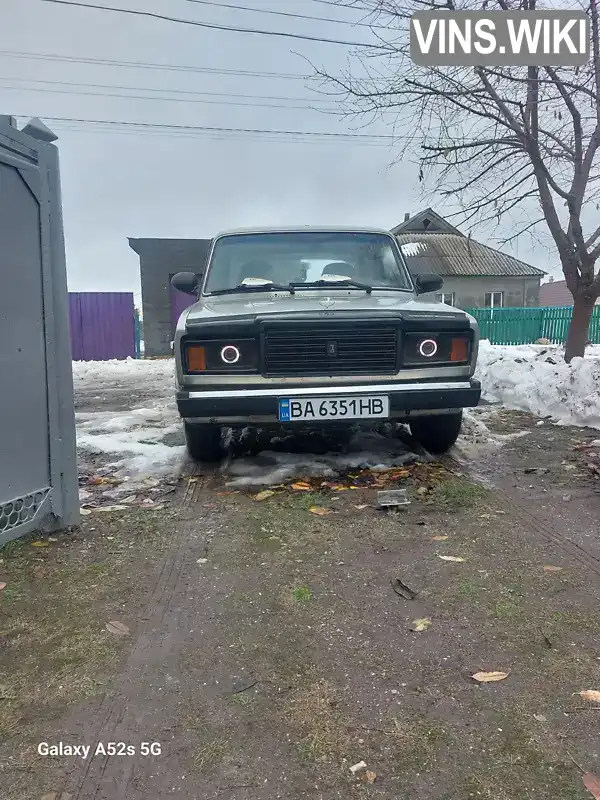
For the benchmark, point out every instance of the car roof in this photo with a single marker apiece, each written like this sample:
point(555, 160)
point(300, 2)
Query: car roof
point(304, 229)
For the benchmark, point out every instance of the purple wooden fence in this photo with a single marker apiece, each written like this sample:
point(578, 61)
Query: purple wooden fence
point(102, 325)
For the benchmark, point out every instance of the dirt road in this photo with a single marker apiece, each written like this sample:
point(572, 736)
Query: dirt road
point(268, 649)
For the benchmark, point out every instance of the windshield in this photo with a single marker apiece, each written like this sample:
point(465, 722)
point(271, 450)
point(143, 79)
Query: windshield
point(252, 259)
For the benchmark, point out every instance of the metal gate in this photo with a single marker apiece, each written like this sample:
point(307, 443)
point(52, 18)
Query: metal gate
point(38, 467)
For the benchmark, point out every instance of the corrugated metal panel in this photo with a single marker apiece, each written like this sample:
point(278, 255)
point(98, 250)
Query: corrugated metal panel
point(75, 327)
point(447, 254)
point(102, 325)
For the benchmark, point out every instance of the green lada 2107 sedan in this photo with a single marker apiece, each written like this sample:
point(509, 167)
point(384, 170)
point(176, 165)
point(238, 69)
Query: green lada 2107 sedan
point(319, 326)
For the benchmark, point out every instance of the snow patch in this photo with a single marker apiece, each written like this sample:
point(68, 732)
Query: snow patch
point(535, 378)
point(411, 249)
point(136, 436)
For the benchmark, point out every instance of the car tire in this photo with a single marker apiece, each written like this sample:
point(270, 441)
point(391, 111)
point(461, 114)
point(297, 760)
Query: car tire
point(437, 433)
point(203, 442)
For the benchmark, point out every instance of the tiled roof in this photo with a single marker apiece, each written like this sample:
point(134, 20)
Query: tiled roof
point(448, 254)
point(555, 294)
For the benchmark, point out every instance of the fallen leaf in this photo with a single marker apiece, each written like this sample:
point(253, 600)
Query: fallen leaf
point(439, 538)
point(402, 590)
point(489, 677)
point(301, 486)
point(319, 511)
point(550, 568)
point(2, 586)
point(118, 628)
point(370, 776)
point(264, 494)
point(40, 544)
point(399, 473)
point(590, 694)
point(592, 783)
point(420, 625)
point(451, 558)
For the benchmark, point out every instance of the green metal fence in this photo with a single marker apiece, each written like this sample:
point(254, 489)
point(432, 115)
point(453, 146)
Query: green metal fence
point(525, 325)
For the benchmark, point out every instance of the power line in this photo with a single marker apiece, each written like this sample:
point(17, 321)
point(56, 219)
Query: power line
point(214, 26)
point(285, 14)
point(213, 129)
point(224, 102)
point(154, 89)
point(219, 137)
point(346, 5)
point(150, 65)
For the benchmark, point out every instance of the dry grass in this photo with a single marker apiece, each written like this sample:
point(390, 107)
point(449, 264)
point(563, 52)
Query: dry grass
point(313, 713)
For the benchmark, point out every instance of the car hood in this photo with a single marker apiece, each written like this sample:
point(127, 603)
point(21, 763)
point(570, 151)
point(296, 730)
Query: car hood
point(210, 309)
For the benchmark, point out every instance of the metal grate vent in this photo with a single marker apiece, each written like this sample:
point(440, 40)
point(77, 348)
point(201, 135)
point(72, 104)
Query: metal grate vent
point(20, 510)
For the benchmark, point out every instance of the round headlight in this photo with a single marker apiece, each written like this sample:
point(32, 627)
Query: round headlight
point(428, 348)
point(230, 354)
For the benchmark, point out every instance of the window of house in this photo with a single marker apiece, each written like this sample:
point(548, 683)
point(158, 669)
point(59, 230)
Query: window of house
point(445, 297)
point(494, 299)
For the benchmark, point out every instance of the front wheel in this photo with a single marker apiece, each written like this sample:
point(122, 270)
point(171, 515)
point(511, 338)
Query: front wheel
point(203, 442)
point(437, 433)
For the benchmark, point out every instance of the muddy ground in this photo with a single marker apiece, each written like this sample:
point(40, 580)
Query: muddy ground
point(267, 648)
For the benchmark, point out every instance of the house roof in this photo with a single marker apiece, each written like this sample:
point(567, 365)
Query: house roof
point(175, 254)
point(555, 294)
point(426, 221)
point(450, 254)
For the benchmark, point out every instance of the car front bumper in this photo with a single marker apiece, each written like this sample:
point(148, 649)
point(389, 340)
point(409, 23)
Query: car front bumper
point(261, 406)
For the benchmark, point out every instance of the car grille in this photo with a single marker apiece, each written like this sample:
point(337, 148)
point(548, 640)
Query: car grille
point(306, 350)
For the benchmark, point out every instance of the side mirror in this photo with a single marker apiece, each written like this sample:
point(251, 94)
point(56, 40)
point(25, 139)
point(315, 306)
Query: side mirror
point(187, 282)
point(429, 282)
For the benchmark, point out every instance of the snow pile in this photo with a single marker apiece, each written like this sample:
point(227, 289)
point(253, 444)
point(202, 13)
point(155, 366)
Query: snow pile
point(137, 372)
point(535, 378)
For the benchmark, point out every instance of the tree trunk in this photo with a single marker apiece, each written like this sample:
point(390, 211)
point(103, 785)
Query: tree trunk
point(578, 335)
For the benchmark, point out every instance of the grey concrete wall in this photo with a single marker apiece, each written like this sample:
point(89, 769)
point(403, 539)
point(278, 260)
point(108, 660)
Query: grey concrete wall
point(159, 259)
point(470, 291)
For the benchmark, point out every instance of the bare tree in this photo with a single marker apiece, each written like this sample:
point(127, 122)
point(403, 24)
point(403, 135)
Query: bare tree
point(500, 141)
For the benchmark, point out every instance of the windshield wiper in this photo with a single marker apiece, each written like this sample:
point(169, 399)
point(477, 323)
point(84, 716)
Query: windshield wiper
point(257, 287)
point(324, 282)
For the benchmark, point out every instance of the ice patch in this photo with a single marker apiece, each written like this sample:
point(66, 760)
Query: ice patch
point(365, 451)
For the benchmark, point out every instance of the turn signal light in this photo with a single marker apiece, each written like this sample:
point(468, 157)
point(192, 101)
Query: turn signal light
point(196, 358)
point(459, 349)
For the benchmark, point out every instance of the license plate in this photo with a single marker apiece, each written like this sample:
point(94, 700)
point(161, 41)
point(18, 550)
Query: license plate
point(322, 409)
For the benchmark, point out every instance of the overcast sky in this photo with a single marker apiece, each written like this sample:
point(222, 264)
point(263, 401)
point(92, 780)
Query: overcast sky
point(119, 183)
